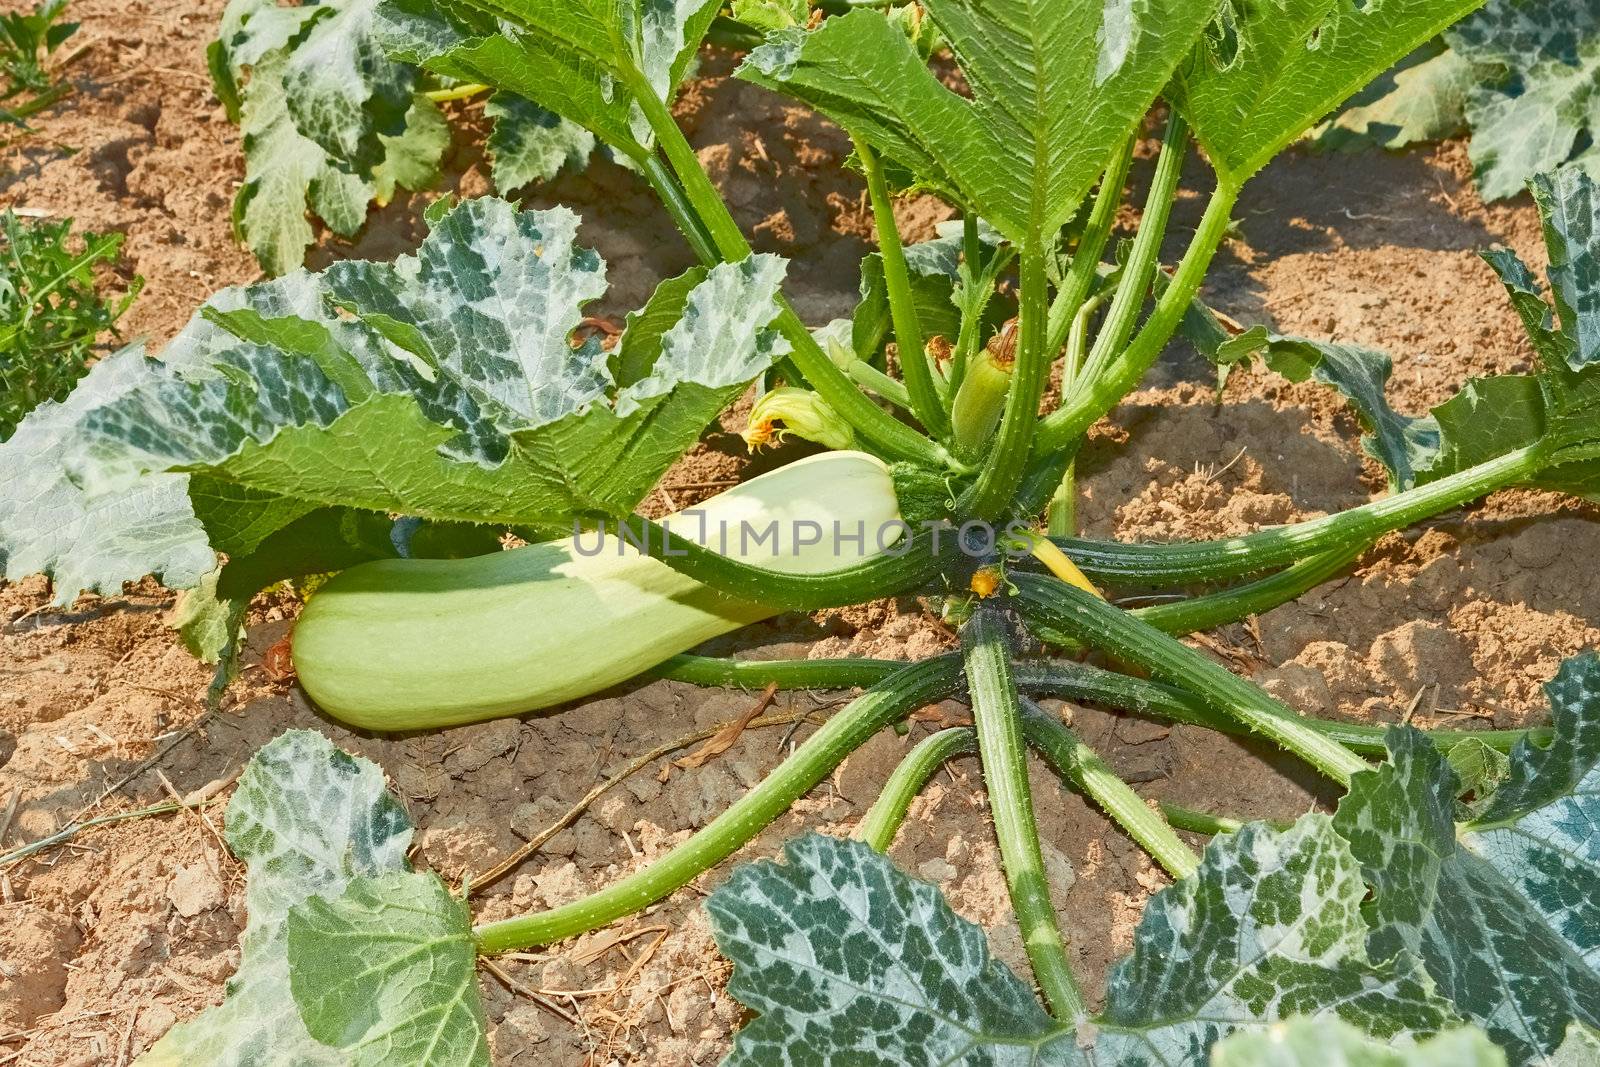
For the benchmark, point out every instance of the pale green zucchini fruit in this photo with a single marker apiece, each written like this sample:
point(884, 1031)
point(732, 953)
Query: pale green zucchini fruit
point(411, 644)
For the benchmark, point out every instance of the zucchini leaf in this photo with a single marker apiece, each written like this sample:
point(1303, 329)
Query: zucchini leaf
point(445, 386)
point(1057, 86)
point(1537, 107)
point(1269, 70)
point(529, 144)
point(848, 960)
point(1504, 909)
point(413, 999)
point(1331, 1043)
point(328, 121)
point(319, 834)
point(580, 59)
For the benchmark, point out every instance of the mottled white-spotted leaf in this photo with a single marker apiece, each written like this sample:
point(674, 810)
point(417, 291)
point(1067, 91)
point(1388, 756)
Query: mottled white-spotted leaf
point(329, 122)
point(1536, 107)
point(385, 972)
point(1271, 69)
point(580, 59)
point(1057, 86)
point(49, 526)
point(847, 960)
point(530, 144)
point(306, 820)
point(446, 386)
point(1504, 909)
point(1331, 1043)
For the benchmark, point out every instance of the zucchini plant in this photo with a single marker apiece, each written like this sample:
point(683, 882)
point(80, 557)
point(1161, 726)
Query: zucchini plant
point(292, 421)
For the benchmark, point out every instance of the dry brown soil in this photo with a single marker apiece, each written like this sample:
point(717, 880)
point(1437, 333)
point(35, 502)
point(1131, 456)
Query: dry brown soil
point(109, 939)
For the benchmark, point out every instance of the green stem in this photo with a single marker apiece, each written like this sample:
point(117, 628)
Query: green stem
point(882, 430)
point(1199, 822)
point(997, 483)
point(1140, 269)
point(681, 211)
point(1068, 423)
point(870, 377)
point(883, 819)
point(1005, 773)
point(1094, 778)
point(910, 564)
point(1229, 605)
point(1091, 246)
point(784, 673)
point(1119, 634)
point(926, 403)
point(1083, 684)
point(814, 760)
point(1205, 561)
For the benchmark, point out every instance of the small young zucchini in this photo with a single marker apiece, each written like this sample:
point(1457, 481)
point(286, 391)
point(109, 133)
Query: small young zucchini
point(412, 644)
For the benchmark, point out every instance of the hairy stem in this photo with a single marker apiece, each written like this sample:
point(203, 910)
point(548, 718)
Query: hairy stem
point(882, 430)
point(926, 403)
point(1095, 779)
point(1129, 640)
point(1080, 277)
point(1005, 772)
point(1064, 426)
point(997, 483)
point(783, 673)
point(1084, 684)
point(1206, 561)
point(886, 702)
point(883, 819)
point(1140, 269)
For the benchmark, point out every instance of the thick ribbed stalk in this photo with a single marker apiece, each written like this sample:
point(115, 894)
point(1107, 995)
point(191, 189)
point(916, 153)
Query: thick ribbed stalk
point(879, 428)
point(1081, 683)
point(926, 403)
point(1072, 420)
point(1005, 773)
point(1140, 268)
point(813, 761)
point(997, 483)
point(883, 819)
point(1094, 778)
point(783, 673)
point(1206, 561)
point(1129, 640)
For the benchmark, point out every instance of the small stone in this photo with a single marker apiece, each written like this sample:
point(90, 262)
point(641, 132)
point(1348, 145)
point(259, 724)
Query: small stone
point(936, 870)
point(194, 889)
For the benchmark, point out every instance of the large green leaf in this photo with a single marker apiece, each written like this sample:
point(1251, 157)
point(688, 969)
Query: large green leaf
point(847, 960)
point(1542, 104)
point(1331, 1043)
point(1503, 909)
point(308, 821)
point(1270, 69)
point(580, 59)
point(386, 972)
point(1057, 86)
